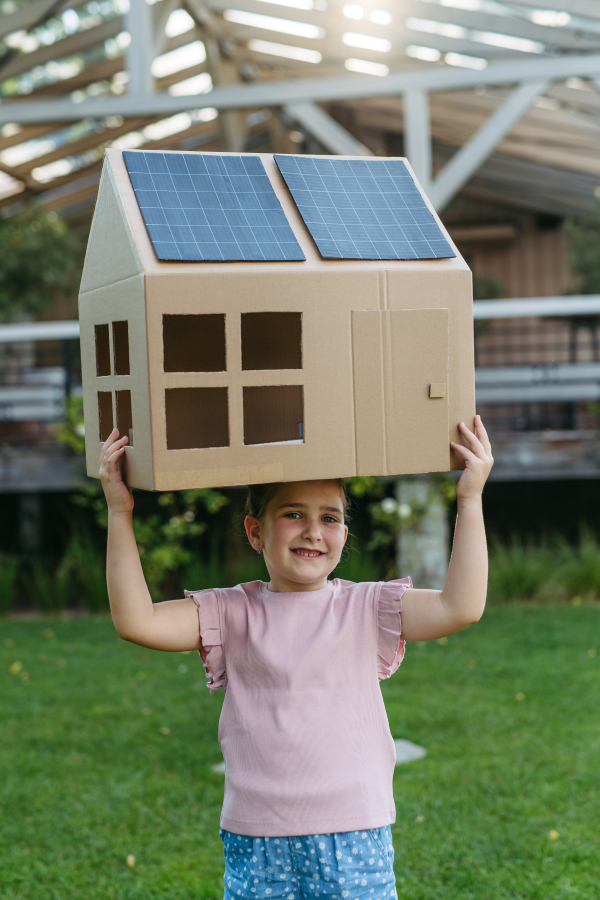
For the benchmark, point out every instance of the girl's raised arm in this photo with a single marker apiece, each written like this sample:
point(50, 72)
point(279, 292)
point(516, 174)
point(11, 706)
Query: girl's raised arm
point(433, 614)
point(163, 626)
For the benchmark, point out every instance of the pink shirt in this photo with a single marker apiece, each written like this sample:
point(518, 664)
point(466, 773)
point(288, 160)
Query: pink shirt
point(303, 730)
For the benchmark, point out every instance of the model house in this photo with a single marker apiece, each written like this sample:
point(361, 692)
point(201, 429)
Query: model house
point(246, 318)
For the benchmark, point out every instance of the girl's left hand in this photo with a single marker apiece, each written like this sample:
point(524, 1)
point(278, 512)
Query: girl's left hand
point(478, 461)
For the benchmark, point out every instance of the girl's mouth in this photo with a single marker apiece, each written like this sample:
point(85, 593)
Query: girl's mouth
point(307, 554)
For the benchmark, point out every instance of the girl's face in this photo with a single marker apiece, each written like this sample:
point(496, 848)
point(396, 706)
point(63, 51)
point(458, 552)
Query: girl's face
point(301, 535)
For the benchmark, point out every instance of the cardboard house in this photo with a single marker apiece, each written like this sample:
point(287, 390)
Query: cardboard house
point(226, 373)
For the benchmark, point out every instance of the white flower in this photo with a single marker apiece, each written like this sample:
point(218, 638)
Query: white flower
point(338, 854)
point(404, 510)
point(364, 882)
point(268, 891)
point(342, 880)
point(389, 505)
point(321, 846)
point(354, 850)
point(345, 893)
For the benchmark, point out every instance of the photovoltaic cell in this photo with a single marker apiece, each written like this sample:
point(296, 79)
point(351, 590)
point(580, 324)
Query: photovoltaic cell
point(208, 208)
point(363, 209)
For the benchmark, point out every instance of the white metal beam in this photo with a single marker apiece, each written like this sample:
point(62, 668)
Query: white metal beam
point(140, 51)
point(467, 160)
point(525, 307)
point(326, 130)
point(417, 135)
point(282, 93)
point(522, 307)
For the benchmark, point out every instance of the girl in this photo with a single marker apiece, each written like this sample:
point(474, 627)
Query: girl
point(308, 752)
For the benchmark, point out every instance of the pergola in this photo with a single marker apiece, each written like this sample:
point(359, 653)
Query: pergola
point(497, 99)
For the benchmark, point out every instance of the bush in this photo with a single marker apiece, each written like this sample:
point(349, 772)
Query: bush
point(357, 565)
point(9, 570)
point(579, 571)
point(84, 565)
point(47, 587)
point(519, 571)
point(549, 570)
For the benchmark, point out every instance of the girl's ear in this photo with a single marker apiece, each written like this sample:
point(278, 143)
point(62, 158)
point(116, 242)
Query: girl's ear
point(346, 534)
point(252, 526)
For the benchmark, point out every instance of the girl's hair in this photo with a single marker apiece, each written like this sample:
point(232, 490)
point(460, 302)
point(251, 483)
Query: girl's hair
point(260, 495)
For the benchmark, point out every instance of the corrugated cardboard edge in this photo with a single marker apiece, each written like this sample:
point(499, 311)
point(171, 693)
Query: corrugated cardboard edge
point(112, 303)
point(112, 260)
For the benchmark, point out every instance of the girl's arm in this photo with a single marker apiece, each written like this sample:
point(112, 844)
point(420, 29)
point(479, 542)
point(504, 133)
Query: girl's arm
point(162, 626)
point(433, 614)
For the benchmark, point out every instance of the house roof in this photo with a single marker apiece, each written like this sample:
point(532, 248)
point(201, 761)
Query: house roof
point(116, 184)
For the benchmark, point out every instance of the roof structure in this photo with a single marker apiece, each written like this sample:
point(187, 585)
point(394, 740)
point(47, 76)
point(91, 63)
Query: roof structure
point(494, 98)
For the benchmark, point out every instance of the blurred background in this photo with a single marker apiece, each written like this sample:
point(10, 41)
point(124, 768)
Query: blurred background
point(108, 785)
point(497, 107)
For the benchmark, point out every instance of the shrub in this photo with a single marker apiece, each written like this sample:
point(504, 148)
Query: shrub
point(84, 567)
point(9, 569)
point(47, 586)
point(357, 565)
point(520, 571)
point(580, 569)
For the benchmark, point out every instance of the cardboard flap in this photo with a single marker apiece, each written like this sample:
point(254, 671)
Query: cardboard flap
point(111, 254)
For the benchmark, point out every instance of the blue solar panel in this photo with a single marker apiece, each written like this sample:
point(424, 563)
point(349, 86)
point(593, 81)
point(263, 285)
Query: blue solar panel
point(207, 208)
point(363, 209)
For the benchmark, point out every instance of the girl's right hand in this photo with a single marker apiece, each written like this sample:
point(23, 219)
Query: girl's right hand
point(118, 496)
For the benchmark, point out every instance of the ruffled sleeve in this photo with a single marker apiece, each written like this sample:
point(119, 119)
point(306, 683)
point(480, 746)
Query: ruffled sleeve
point(390, 646)
point(211, 642)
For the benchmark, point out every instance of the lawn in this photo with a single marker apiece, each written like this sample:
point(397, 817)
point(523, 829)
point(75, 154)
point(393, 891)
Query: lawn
point(106, 753)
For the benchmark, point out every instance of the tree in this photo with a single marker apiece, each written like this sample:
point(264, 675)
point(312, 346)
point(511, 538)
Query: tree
point(40, 259)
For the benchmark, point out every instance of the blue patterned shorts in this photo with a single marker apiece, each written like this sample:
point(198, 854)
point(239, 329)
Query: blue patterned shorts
point(353, 864)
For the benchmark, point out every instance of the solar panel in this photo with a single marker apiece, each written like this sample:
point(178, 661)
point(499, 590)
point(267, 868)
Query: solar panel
point(363, 209)
point(203, 207)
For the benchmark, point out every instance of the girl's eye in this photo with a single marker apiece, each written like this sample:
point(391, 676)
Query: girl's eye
point(292, 515)
point(329, 519)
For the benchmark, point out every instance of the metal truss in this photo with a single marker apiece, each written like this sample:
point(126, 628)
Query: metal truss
point(299, 98)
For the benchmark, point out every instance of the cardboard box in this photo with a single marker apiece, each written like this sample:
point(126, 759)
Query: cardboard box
point(249, 372)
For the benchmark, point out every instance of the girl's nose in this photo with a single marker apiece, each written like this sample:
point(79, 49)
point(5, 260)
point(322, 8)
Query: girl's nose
point(312, 530)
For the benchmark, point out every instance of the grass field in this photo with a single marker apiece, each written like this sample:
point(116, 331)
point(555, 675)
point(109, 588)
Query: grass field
point(106, 748)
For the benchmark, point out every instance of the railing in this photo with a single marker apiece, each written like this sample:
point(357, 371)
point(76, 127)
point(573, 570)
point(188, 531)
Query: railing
point(538, 363)
point(39, 368)
point(537, 366)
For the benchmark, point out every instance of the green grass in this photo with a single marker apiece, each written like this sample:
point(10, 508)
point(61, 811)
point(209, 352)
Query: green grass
point(87, 777)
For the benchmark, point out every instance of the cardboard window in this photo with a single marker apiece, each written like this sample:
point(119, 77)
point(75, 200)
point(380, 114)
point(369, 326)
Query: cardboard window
point(273, 414)
point(272, 340)
point(102, 350)
point(196, 417)
point(194, 343)
point(105, 413)
point(121, 348)
point(124, 415)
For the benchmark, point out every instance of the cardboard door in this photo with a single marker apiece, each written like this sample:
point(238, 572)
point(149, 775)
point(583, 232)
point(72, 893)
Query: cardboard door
point(400, 360)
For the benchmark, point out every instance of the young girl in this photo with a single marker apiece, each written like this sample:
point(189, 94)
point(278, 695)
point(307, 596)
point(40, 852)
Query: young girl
point(309, 757)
